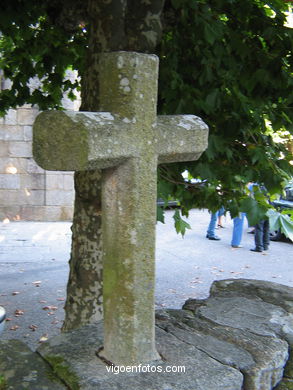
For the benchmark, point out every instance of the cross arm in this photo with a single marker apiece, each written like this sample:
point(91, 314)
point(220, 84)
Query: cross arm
point(76, 141)
point(180, 138)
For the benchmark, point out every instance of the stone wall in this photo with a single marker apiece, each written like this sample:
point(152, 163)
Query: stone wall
point(27, 192)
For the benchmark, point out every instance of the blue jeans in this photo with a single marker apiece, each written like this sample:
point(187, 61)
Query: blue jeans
point(262, 235)
point(213, 221)
point(238, 223)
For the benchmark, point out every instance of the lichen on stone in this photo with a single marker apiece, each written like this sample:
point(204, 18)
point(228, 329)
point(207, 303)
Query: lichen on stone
point(62, 371)
point(3, 383)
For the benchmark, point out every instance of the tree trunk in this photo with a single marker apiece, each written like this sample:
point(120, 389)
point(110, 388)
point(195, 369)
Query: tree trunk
point(114, 25)
point(84, 288)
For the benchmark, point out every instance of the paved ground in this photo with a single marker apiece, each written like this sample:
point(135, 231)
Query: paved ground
point(34, 269)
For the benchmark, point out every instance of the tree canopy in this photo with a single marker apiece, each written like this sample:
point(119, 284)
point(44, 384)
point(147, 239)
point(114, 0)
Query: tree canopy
point(227, 61)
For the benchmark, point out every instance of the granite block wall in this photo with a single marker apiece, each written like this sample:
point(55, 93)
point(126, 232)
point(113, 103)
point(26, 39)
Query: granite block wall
point(27, 192)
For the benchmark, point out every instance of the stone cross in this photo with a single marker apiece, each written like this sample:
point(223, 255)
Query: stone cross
point(127, 140)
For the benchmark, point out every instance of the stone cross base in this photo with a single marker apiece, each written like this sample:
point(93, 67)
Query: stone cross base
point(237, 339)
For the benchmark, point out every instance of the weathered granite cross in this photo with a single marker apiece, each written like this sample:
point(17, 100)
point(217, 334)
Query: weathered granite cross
point(127, 141)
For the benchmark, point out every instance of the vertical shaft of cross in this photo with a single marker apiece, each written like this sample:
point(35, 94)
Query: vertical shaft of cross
point(129, 266)
point(129, 215)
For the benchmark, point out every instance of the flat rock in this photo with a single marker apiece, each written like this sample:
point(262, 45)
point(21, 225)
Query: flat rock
point(78, 350)
point(251, 314)
point(275, 293)
point(261, 358)
point(183, 326)
point(237, 339)
point(24, 369)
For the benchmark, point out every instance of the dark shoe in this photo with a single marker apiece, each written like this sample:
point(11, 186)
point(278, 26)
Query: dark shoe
point(214, 238)
point(251, 232)
point(266, 248)
point(256, 250)
point(221, 226)
point(237, 246)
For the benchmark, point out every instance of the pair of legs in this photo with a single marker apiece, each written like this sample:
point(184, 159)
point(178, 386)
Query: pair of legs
point(262, 236)
point(212, 225)
point(238, 223)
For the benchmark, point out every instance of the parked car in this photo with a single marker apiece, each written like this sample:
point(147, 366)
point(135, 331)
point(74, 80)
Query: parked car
point(284, 202)
point(171, 203)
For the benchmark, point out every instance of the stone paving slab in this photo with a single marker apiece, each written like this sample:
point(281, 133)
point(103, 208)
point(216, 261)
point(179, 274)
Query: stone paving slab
point(230, 341)
point(24, 369)
point(274, 293)
point(202, 372)
point(262, 358)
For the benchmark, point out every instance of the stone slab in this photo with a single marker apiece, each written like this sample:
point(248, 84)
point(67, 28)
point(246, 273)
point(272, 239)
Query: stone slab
point(258, 317)
point(202, 372)
point(275, 293)
point(23, 369)
point(224, 342)
point(261, 360)
point(176, 322)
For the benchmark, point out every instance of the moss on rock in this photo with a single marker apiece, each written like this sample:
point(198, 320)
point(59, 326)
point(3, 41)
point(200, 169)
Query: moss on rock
point(60, 369)
point(285, 384)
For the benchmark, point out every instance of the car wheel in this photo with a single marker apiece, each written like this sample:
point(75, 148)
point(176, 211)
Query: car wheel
point(277, 235)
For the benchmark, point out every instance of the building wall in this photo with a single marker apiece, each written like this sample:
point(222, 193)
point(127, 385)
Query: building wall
point(28, 192)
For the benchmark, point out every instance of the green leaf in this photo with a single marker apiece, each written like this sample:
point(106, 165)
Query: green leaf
point(286, 225)
point(210, 34)
point(160, 214)
point(255, 211)
point(281, 221)
point(180, 224)
point(211, 100)
point(274, 218)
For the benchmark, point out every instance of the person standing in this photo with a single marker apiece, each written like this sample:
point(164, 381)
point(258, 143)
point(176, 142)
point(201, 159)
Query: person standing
point(262, 229)
point(238, 223)
point(211, 235)
point(262, 236)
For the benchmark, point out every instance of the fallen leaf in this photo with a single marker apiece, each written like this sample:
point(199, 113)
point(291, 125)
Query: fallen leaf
point(55, 322)
point(33, 327)
point(14, 327)
point(43, 338)
point(43, 301)
point(18, 313)
point(37, 283)
point(50, 308)
point(15, 293)
point(60, 299)
point(9, 319)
